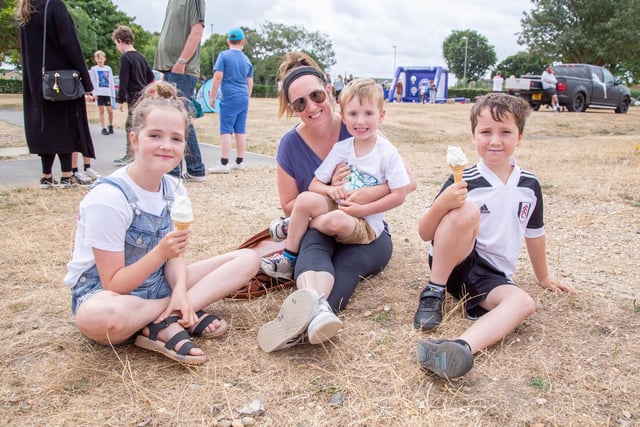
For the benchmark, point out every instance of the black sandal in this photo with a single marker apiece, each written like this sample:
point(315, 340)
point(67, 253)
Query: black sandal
point(205, 321)
point(182, 355)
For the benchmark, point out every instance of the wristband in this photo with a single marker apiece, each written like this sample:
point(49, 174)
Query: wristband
point(182, 61)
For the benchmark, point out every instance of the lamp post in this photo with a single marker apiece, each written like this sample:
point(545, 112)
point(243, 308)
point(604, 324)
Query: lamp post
point(466, 45)
point(394, 58)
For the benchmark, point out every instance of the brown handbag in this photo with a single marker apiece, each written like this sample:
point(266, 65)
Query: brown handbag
point(261, 284)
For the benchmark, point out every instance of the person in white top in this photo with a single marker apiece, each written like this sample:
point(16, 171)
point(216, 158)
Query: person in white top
point(104, 91)
point(128, 276)
point(549, 82)
point(498, 80)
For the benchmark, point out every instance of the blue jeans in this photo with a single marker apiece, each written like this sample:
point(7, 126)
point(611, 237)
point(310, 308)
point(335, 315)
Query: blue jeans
point(186, 84)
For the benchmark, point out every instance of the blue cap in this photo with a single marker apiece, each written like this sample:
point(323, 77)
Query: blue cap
point(236, 34)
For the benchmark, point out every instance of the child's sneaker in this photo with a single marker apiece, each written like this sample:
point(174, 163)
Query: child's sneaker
point(277, 266)
point(325, 325)
point(82, 179)
point(92, 173)
point(122, 161)
point(238, 166)
point(110, 129)
point(288, 328)
point(67, 182)
point(278, 229)
point(105, 131)
point(446, 359)
point(219, 168)
point(47, 183)
point(429, 313)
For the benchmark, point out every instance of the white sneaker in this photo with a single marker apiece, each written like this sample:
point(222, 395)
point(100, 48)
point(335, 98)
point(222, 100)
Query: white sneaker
point(288, 328)
point(92, 173)
point(278, 229)
point(325, 325)
point(238, 166)
point(82, 179)
point(219, 168)
point(277, 266)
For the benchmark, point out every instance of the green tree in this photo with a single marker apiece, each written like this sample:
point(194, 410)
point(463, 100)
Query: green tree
point(600, 32)
point(521, 63)
point(480, 55)
point(9, 38)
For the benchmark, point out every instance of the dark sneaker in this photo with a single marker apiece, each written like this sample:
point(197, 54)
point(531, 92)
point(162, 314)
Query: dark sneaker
point(67, 182)
point(288, 329)
point(110, 129)
point(446, 359)
point(278, 229)
point(192, 178)
point(105, 132)
point(47, 183)
point(429, 313)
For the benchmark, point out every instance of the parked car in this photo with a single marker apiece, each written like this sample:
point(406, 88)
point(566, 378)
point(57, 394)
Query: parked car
point(579, 86)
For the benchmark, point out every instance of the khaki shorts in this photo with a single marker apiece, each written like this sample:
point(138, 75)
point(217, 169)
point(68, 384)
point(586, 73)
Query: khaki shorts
point(362, 234)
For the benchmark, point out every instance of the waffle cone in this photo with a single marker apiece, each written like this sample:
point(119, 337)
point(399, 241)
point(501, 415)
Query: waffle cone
point(181, 225)
point(457, 172)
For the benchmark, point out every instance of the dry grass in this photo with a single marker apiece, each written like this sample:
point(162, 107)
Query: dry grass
point(575, 362)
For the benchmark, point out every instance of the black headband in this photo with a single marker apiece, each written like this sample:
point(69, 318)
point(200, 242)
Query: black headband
point(299, 72)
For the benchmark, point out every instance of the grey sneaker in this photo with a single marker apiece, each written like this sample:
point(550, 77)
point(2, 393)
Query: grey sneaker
point(446, 359)
point(288, 328)
point(92, 173)
point(325, 325)
point(429, 313)
point(219, 168)
point(278, 229)
point(122, 161)
point(277, 266)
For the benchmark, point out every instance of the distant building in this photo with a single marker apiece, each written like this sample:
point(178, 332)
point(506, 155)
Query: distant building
point(10, 74)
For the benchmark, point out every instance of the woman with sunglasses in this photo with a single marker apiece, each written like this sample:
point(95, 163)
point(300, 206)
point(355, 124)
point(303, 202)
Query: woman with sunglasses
point(325, 269)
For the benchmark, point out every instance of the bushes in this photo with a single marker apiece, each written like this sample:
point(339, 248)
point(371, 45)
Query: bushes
point(265, 91)
point(10, 86)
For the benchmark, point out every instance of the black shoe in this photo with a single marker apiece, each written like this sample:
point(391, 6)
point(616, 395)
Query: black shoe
point(446, 359)
point(110, 129)
point(105, 132)
point(429, 313)
point(47, 183)
point(67, 182)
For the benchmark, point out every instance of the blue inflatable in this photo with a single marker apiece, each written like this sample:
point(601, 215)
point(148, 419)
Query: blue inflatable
point(413, 78)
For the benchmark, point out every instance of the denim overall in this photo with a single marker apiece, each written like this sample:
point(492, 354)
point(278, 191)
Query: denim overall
point(144, 233)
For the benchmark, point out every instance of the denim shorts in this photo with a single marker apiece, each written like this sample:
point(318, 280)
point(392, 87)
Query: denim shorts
point(89, 285)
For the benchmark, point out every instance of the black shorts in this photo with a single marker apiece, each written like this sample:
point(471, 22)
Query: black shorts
point(472, 280)
point(104, 101)
point(551, 91)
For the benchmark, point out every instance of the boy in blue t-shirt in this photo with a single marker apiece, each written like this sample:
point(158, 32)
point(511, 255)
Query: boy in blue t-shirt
point(233, 73)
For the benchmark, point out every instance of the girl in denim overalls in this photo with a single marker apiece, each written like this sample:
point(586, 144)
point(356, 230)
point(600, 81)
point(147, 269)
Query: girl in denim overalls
point(128, 275)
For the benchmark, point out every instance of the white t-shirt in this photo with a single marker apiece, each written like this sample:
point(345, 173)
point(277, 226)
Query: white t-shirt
point(103, 218)
point(382, 164)
point(497, 83)
point(102, 79)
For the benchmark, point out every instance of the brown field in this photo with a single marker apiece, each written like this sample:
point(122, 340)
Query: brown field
point(576, 361)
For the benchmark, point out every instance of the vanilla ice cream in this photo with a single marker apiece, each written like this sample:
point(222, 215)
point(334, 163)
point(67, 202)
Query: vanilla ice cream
point(457, 161)
point(181, 212)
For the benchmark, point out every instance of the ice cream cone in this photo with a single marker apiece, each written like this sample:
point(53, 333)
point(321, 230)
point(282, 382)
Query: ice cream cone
point(457, 172)
point(181, 225)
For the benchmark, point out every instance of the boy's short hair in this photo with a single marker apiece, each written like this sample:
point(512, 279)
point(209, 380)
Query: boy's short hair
point(124, 34)
point(99, 53)
point(364, 89)
point(499, 105)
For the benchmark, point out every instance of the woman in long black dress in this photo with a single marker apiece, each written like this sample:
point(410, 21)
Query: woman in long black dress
point(61, 127)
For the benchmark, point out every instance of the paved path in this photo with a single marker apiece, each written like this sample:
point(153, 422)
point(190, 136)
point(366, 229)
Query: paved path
point(26, 172)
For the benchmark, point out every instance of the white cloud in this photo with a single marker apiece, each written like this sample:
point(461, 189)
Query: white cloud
point(363, 32)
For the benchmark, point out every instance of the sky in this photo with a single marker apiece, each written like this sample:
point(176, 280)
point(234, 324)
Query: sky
point(363, 32)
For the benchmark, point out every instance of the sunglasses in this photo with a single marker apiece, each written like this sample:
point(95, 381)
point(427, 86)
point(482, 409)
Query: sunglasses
point(317, 96)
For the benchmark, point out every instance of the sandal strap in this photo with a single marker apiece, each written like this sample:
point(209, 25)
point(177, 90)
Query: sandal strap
point(155, 328)
point(184, 348)
point(204, 322)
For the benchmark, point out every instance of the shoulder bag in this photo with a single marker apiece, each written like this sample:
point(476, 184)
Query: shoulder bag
point(261, 284)
point(58, 85)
